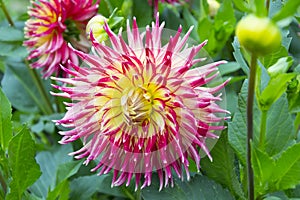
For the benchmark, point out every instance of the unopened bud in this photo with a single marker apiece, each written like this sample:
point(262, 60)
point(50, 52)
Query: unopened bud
point(96, 26)
point(213, 7)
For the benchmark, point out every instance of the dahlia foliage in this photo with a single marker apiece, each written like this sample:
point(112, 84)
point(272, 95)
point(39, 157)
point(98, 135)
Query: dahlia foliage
point(139, 107)
point(143, 106)
point(52, 25)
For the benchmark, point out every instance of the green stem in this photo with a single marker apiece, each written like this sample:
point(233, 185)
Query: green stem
point(139, 194)
point(3, 7)
point(3, 183)
point(263, 128)
point(250, 100)
point(128, 193)
point(39, 84)
point(268, 5)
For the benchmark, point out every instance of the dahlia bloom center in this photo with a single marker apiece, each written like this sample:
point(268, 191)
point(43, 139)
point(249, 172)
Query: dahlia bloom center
point(137, 106)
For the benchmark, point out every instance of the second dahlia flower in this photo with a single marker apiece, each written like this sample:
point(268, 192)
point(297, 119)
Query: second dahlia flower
point(51, 26)
point(139, 107)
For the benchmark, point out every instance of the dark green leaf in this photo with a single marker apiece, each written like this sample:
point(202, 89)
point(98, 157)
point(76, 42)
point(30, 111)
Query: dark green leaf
point(287, 168)
point(241, 5)
point(60, 192)
point(294, 94)
point(5, 121)
point(142, 11)
point(11, 34)
point(263, 167)
point(188, 21)
point(228, 68)
point(288, 10)
point(25, 170)
point(84, 187)
point(67, 170)
point(20, 89)
point(222, 168)
point(239, 57)
point(49, 163)
point(199, 187)
point(279, 132)
point(13, 50)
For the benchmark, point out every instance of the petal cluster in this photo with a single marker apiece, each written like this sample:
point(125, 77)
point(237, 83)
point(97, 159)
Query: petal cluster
point(52, 24)
point(139, 106)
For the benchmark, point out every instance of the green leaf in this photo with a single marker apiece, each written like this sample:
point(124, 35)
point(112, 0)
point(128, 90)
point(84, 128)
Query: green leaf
point(25, 170)
point(241, 5)
point(188, 21)
point(225, 18)
point(142, 11)
point(222, 168)
point(67, 170)
point(11, 34)
point(85, 186)
point(5, 121)
point(287, 168)
point(239, 56)
point(293, 92)
point(49, 163)
point(288, 10)
point(281, 66)
point(60, 192)
point(275, 88)
point(263, 167)
point(199, 187)
point(228, 68)
point(12, 49)
point(20, 89)
point(279, 130)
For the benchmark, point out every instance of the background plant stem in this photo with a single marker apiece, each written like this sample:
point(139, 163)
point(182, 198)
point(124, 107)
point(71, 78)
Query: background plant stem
point(3, 7)
point(250, 99)
point(39, 84)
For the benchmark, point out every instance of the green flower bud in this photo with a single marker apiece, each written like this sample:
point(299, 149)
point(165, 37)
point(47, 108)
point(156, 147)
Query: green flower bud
point(213, 7)
point(259, 35)
point(96, 26)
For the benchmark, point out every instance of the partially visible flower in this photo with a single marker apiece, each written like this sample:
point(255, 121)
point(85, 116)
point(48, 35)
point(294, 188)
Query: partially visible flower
point(51, 26)
point(96, 26)
point(139, 106)
point(213, 7)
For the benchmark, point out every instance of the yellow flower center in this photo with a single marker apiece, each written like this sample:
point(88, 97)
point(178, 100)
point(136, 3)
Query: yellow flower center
point(137, 106)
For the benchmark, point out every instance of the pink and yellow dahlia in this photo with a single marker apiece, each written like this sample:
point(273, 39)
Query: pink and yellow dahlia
point(139, 107)
point(51, 26)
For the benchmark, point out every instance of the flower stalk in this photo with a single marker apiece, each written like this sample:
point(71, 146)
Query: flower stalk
point(38, 82)
point(3, 7)
point(250, 100)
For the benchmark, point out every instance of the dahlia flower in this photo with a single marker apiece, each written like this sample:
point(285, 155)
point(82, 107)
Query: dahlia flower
point(139, 107)
point(52, 25)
